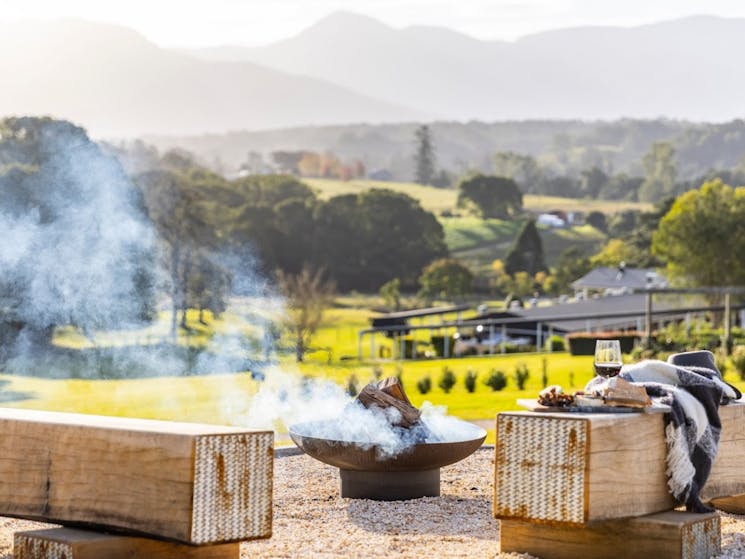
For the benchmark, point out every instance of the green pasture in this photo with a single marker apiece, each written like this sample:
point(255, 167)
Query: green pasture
point(432, 199)
point(438, 199)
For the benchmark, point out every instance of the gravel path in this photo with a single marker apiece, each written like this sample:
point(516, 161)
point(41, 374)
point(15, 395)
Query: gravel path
point(312, 521)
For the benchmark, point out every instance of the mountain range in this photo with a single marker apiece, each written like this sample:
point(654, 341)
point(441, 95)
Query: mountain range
point(349, 68)
point(687, 68)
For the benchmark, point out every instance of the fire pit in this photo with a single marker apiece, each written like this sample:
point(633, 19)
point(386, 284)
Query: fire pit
point(368, 471)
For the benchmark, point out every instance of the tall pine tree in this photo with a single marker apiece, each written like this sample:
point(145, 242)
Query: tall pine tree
point(425, 156)
point(526, 255)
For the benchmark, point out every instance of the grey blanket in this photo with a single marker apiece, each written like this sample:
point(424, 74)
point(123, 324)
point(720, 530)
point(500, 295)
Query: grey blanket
point(692, 428)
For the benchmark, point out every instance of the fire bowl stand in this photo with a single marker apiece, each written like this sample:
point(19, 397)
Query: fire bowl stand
point(389, 486)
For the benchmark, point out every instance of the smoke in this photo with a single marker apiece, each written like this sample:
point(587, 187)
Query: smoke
point(74, 242)
point(321, 409)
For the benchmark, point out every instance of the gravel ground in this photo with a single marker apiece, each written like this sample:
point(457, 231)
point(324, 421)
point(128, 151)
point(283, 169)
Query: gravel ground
point(312, 521)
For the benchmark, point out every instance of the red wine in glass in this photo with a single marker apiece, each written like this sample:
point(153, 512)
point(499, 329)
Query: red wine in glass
point(607, 370)
point(608, 358)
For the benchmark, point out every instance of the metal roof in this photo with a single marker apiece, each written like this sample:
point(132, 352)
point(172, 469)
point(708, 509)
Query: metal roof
point(594, 309)
point(431, 311)
point(619, 278)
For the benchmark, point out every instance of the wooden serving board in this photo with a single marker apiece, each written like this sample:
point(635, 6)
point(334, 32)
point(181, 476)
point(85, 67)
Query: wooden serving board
point(533, 405)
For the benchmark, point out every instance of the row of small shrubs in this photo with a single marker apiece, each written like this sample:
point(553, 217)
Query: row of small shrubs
point(496, 380)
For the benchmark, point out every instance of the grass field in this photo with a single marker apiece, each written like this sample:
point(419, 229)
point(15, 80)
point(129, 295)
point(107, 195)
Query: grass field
point(438, 199)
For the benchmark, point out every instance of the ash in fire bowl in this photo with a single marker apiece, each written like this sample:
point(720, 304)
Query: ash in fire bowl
point(384, 448)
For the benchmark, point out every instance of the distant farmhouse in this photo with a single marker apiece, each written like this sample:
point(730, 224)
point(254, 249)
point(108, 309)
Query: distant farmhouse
point(560, 218)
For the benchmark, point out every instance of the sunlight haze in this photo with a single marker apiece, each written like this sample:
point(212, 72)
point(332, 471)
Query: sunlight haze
point(196, 23)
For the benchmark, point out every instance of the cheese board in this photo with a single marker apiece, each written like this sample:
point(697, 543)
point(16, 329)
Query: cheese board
point(533, 405)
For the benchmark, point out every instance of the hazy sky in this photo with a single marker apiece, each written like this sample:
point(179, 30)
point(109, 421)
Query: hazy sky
point(212, 22)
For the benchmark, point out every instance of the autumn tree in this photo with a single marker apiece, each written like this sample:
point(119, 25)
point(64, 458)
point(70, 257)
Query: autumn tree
point(308, 294)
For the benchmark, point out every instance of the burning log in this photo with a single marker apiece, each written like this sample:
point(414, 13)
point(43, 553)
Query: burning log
point(389, 393)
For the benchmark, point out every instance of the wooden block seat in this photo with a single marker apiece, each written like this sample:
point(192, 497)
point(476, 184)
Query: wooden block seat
point(69, 543)
point(579, 468)
point(664, 535)
point(186, 482)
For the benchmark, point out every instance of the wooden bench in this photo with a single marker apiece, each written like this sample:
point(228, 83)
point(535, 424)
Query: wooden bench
point(71, 543)
point(564, 480)
point(190, 483)
point(578, 468)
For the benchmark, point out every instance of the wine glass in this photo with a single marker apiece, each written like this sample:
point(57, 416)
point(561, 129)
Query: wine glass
point(608, 359)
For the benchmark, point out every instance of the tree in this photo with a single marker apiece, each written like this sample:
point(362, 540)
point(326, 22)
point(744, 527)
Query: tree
point(592, 181)
point(367, 239)
point(597, 220)
point(76, 243)
point(177, 208)
point(493, 197)
point(308, 295)
point(702, 237)
point(613, 253)
point(446, 278)
point(275, 221)
point(391, 294)
point(526, 254)
point(425, 155)
point(571, 265)
point(523, 169)
point(660, 172)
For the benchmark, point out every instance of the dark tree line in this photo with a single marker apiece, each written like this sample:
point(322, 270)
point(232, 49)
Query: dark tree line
point(277, 223)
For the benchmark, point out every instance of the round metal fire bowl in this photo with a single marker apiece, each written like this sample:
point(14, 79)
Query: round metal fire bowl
point(358, 456)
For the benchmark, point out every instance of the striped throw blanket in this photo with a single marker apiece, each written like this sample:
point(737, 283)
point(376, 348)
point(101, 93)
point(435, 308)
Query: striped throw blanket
point(692, 386)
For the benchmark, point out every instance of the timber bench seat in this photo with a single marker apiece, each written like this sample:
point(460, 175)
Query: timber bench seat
point(570, 477)
point(185, 482)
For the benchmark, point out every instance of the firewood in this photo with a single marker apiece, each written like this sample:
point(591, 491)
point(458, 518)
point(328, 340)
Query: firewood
point(393, 387)
point(371, 396)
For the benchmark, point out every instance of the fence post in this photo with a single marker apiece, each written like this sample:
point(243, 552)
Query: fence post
point(727, 323)
point(648, 322)
point(503, 344)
